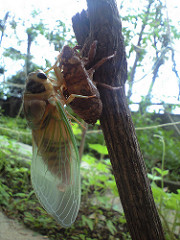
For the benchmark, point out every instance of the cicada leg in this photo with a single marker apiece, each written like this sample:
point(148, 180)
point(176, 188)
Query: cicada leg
point(104, 85)
point(59, 82)
point(75, 119)
point(73, 96)
point(102, 61)
point(54, 66)
point(92, 51)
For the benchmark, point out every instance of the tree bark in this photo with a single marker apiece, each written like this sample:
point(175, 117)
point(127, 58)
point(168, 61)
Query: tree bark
point(101, 22)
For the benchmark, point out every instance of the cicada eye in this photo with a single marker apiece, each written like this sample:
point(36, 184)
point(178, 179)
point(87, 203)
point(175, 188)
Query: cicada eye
point(42, 75)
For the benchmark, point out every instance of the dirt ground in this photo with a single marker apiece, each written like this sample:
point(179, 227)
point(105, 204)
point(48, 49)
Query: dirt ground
point(12, 230)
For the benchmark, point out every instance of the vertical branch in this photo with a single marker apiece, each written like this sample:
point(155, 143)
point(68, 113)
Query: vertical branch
point(160, 53)
point(28, 54)
point(116, 122)
point(138, 54)
point(3, 26)
point(175, 70)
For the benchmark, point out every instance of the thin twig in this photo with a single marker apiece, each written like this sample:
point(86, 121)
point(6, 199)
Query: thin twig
point(83, 137)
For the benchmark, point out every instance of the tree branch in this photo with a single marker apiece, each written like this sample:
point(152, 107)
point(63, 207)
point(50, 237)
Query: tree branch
point(138, 54)
point(126, 158)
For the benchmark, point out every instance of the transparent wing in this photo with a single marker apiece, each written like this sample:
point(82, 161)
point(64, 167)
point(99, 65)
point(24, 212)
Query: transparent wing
point(55, 168)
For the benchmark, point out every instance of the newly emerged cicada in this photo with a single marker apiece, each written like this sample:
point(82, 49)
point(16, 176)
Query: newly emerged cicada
point(76, 82)
point(55, 168)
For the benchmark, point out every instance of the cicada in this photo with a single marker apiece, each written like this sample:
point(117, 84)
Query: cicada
point(55, 168)
point(76, 81)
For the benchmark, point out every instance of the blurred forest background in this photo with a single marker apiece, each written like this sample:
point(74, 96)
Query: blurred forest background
point(153, 89)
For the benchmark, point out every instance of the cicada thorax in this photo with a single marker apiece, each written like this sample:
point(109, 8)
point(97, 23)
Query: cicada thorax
point(49, 133)
point(77, 80)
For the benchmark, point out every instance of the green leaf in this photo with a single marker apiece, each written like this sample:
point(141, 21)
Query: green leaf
point(99, 148)
point(87, 221)
point(13, 53)
point(111, 227)
point(154, 178)
point(122, 219)
point(158, 192)
point(162, 172)
point(21, 195)
point(89, 159)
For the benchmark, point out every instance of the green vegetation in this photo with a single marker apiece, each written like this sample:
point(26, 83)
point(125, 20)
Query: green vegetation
point(99, 216)
point(19, 201)
point(152, 147)
point(16, 129)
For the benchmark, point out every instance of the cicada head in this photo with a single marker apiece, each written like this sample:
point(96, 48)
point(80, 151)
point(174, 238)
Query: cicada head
point(69, 56)
point(38, 91)
point(37, 82)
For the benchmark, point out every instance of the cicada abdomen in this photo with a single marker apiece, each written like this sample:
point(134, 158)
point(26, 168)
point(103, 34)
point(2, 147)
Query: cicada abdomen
point(77, 80)
point(55, 168)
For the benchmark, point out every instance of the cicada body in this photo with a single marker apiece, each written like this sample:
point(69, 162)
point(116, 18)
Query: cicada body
point(75, 79)
point(78, 81)
point(55, 168)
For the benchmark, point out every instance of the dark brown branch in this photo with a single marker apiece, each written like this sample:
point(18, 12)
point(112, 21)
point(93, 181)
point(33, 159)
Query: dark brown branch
point(81, 31)
point(126, 158)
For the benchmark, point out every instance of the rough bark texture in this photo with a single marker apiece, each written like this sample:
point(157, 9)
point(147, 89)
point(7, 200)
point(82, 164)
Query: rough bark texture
point(101, 22)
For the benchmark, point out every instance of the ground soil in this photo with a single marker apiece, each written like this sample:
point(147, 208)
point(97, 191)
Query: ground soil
point(13, 230)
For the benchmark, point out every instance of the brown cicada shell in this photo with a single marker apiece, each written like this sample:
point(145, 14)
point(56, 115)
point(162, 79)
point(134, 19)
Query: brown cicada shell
point(76, 82)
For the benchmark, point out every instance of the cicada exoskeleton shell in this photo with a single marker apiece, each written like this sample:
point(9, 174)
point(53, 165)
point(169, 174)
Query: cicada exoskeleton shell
point(75, 77)
point(78, 81)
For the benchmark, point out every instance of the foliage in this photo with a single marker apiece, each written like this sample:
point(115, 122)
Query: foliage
point(58, 35)
point(14, 54)
point(35, 31)
point(167, 202)
point(15, 129)
point(151, 147)
point(148, 31)
point(99, 213)
point(150, 37)
point(168, 205)
point(18, 201)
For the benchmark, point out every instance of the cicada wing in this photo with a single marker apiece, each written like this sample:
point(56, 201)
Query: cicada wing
point(55, 169)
